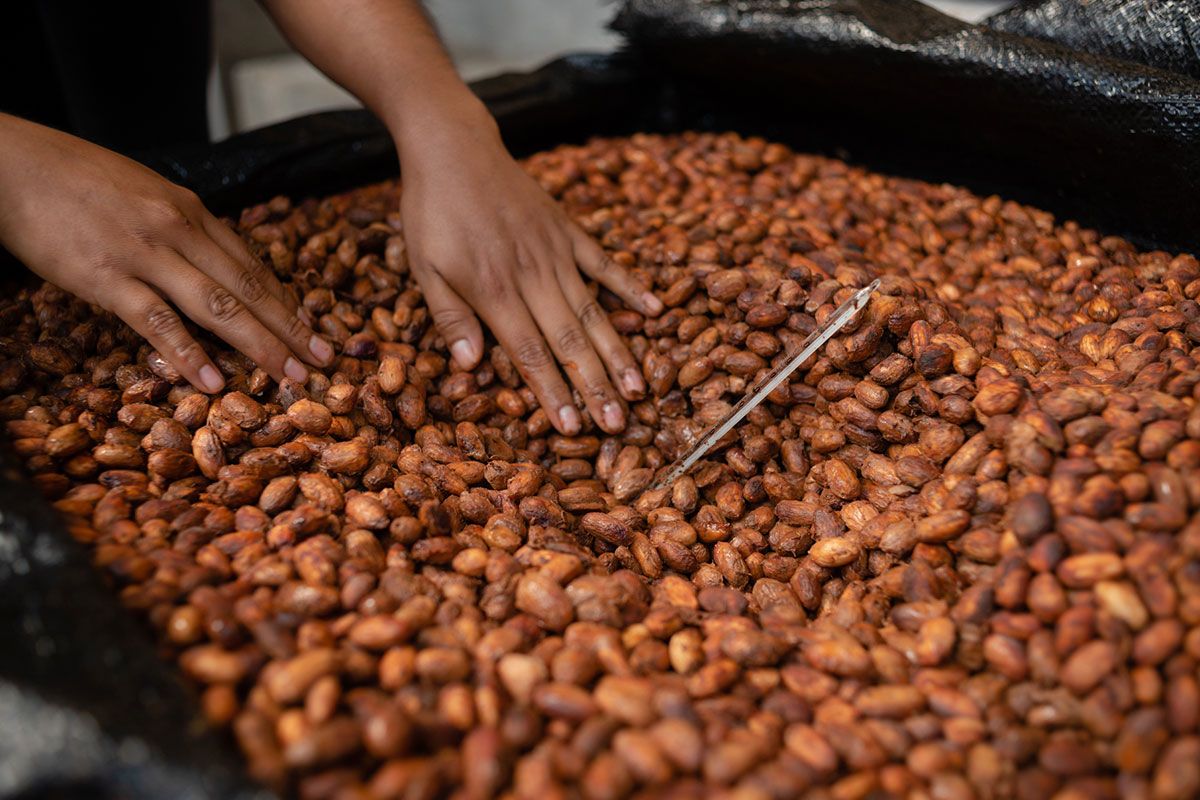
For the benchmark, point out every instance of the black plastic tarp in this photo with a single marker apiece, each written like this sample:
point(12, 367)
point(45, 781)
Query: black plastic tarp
point(890, 84)
point(1155, 33)
point(902, 88)
point(87, 709)
point(1093, 133)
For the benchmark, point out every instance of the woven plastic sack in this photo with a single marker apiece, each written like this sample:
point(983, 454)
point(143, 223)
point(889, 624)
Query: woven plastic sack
point(86, 708)
point(1164, 34)
point(903, 88)
point(891, 84)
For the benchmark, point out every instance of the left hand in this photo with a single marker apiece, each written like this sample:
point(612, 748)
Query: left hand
point(484, 238)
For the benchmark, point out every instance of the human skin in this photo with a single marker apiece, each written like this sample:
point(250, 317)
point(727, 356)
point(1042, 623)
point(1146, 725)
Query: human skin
point(118, 235)
point(484, 240)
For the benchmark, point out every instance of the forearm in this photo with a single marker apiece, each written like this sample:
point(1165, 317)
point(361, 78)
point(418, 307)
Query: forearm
point(387, 54)
point(15, 165)
point(25, 150)
point(484, 240)
point(10, 128)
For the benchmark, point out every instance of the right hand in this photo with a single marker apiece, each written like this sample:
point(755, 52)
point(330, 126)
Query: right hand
point(118, 235)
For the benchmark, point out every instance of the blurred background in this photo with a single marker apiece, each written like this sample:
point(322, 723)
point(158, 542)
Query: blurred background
point(258, 79)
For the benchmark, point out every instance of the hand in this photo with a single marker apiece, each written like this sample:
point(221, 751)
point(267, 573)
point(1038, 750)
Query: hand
point(484, 238)
point(116, 234)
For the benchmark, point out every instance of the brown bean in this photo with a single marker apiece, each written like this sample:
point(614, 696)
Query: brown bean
point(954, 556)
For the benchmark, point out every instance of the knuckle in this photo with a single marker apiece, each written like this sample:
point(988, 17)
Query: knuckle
point(107, 267)
point(532, 354)
point(294, 328)
point(222, 305)
point(495, 283)
point(191, 205)
point(190, 350)
point(449, 319)
point(165, 213)
point(256, 267)
point(571, 339)
point(605, 264)
point(591, 315)
point(561, 246)
point(250, 288)
point(614, 271)
point(161, 321)
point(597, 387)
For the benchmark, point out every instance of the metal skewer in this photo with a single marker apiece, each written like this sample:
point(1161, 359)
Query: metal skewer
point(815, 340)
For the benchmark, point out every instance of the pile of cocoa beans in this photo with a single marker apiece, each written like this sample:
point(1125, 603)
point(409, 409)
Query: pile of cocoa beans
point(957, 556)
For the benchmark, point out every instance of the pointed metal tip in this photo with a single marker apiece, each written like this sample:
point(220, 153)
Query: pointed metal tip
point(863, 295)
point(815, 340)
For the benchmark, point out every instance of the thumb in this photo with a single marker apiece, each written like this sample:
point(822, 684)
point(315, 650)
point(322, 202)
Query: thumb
point(455, 320)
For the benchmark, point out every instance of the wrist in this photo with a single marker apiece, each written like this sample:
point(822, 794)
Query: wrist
point(19, 172)
point(423, 128)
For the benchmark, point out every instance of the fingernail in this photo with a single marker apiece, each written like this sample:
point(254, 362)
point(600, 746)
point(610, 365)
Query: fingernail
point(568, 417)
point(653, 304)
point(322, 351)
point(295, 370)
point(614, 418)
point(631, 381)
point(464, 353)
point(210, 379)
point(304, 316)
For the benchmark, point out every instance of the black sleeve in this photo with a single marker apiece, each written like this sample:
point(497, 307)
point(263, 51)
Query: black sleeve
point(129, 75)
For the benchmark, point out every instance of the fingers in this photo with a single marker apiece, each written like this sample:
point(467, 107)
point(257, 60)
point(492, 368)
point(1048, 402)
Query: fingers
point(211, 305)
point(454, 319)
point(235, 247)
point(612, 351)
point(597, 265)
point(256, 288)
point(519, 336)
point(149, 315)
point(573, 349)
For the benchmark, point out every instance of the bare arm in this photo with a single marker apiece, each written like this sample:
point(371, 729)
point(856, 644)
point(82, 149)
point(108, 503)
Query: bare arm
point(386, 53)
point(483, 237)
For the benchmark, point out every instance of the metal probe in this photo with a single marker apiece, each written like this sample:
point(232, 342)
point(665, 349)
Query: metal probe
point(837, 320)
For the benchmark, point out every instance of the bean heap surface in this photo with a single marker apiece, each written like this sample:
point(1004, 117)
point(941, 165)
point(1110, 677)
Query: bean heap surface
point(958, 556)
